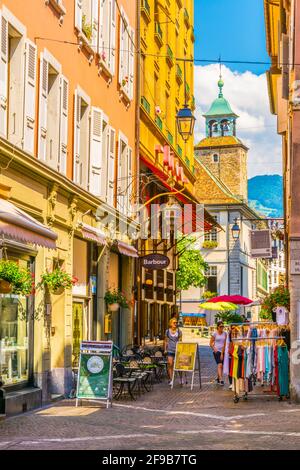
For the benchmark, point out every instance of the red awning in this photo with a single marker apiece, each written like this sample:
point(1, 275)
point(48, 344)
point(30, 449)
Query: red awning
point(127, 250)
point(17, 225)
point(197, 218)
point(94, 234)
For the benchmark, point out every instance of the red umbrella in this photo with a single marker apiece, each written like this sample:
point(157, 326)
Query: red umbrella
point(234, 299)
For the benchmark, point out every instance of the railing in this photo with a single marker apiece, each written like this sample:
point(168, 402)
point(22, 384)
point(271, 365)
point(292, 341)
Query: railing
point(179, 150)
point(179, 72)
point(187, 161)
point(146, 105)
point(170, 137)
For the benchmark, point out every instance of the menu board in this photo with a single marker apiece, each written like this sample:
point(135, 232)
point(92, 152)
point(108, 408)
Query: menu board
point(185, 358)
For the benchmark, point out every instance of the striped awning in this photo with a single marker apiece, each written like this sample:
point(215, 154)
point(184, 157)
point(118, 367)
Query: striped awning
point(17, 225)
point(127, 250)
point(94, 234)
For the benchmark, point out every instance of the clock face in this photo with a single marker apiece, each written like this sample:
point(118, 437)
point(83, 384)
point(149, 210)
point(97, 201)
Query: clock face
point(95, 364)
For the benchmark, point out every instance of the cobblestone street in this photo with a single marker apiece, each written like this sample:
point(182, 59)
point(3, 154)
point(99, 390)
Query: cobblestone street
point(161, 419)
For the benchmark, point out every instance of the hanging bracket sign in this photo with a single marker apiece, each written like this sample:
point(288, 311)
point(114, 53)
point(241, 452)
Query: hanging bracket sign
point(155, 261)
point(95, 371)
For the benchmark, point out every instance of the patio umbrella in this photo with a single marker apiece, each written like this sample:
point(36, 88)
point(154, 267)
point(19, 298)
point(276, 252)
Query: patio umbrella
point(219, 306)
point(233, 299)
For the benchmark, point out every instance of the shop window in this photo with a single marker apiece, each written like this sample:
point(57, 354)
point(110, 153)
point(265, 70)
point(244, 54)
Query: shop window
point(170, 287)
point(160, 285)
point(148, 286)
point(14, 336)
point(81, 141)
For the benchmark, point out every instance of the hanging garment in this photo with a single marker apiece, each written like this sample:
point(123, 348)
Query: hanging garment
point(226, 362)
point(235, 361)
point(283, 370)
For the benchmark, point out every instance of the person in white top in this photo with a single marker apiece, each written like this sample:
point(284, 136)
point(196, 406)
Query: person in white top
point(217, 344)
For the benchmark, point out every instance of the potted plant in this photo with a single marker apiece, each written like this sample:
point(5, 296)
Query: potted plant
point(115, 299)
point(57, 281)
point(88, 28)
point(280, 297)
point(14, 279)
point(209, 295)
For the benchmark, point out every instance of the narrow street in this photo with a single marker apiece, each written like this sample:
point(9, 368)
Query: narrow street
point(178, 419)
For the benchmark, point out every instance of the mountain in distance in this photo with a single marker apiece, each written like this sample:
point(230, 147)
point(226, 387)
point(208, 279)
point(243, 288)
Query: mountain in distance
point(265, 194)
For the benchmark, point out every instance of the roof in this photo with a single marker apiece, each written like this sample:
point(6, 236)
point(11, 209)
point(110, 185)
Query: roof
point(220, 107)
point(224, 141)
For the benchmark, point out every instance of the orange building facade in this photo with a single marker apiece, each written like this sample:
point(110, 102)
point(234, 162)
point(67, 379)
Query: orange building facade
point(68, 153)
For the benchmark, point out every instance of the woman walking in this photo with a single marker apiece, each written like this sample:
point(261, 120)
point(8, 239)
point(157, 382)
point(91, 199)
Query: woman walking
point(217, 344)
point(173, 335)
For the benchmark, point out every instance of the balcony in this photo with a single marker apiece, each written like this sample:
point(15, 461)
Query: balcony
point(179, 77)
point(145, 104)
point(170, 56)
point(158, 35)
point(170, 137)
point(187, 18)
point(145, 10)
point(159, 122)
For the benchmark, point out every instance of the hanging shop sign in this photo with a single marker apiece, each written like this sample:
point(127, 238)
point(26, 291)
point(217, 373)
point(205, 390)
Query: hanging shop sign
point(186, 357)
point(261, 244)
point(95, 371)
point(155, 261)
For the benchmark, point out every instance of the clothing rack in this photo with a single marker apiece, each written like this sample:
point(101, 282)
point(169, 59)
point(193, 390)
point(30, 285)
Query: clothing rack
point(257, 338)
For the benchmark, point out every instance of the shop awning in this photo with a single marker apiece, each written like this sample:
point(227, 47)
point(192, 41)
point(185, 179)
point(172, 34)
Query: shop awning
point(17, 225)
point(127, 250)
point(208, 223)
point(94, 234)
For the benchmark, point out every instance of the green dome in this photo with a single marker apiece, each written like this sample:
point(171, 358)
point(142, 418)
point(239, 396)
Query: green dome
point(220, 107)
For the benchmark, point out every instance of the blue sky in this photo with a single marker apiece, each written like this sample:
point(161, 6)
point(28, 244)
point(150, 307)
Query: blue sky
point(236, 30)
point(232, 28)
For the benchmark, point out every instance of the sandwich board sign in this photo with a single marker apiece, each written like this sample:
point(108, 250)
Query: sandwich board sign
point(186, 357)
point(95, 371)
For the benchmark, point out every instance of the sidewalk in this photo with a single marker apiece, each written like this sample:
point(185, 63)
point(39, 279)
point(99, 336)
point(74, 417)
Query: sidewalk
point(163, 419)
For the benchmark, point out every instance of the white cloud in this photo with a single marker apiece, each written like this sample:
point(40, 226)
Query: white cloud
point(248, 96)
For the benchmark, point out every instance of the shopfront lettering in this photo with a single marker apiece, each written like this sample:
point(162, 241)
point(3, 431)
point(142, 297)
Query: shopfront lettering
point(155, 261)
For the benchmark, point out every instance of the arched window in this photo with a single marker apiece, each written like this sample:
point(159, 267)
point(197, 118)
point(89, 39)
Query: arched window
point(216, 158)
point(213, 128)
point(225, 127)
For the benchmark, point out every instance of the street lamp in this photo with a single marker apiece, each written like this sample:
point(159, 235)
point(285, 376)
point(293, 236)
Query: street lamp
point(235, 230)
point(185, 118)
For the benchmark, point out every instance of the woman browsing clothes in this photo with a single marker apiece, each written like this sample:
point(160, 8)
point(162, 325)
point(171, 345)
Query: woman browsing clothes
point(217, 344)
point(173, 335)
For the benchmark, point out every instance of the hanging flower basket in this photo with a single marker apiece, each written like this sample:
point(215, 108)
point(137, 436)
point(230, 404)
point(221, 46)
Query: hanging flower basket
point(58, 291)
point(57, 281)
point(113, 307)
point(5, 287)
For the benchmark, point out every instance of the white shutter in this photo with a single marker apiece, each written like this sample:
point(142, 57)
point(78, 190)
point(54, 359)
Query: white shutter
point(63, 133)
point(95, 24)
point(30, 95)
point(43, 103)
point(131, 64)
point(122, 52)
point(78, 14)
point(120, 197)
point(111, 166)
point(102, 18)
point(77, 173)
point(112, 42)
point(3, 75)
point(129, 182)
point(96, 152)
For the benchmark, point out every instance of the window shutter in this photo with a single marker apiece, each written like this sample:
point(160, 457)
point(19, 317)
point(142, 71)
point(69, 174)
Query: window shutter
point(131, 64)
point(122, 53)
point(102, 18)
point(77, 173)
point(129, 182)
point(3, 75)
point(78, 14)
point(44, 68)
point(112, 42)
point(96, 152)
point(95, 24)
point(111, 167)
point(63, 134)
point(30, 95)
point(285, 66)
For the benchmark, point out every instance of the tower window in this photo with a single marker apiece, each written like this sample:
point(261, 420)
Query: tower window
point(216, 158)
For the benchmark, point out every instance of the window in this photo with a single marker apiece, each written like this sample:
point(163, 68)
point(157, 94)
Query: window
point(124, 176)
point(212, 236)
point(82, 137)
point(87, 22)
point(58, 6)
point(107, 34)
point(212, 278)
point(126, 65)
point(110, 187)
point(216, 158)
point(17, 83)
point(53, 114)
